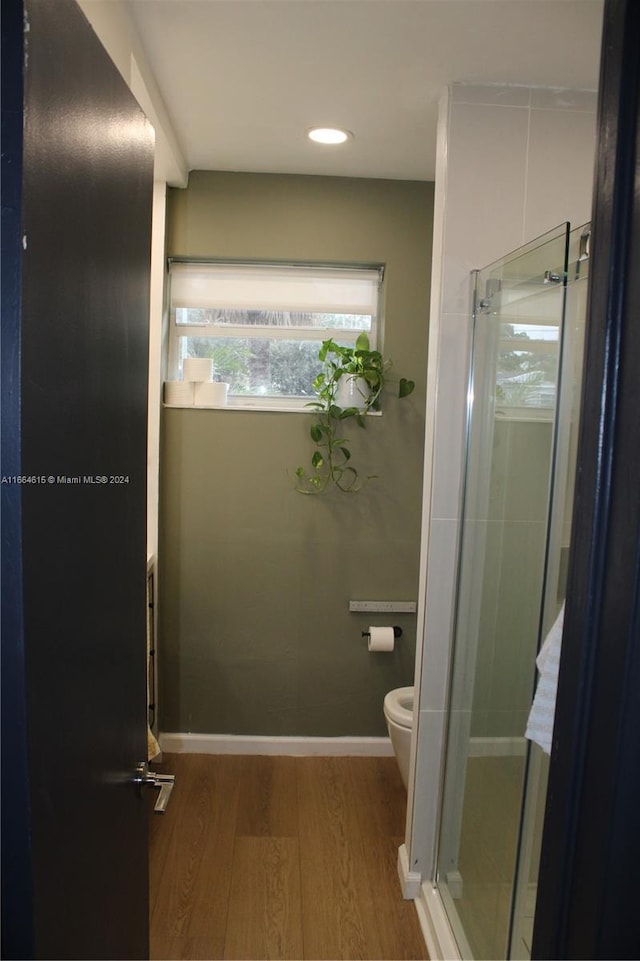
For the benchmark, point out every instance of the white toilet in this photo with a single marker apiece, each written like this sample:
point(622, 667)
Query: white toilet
point(398, 712)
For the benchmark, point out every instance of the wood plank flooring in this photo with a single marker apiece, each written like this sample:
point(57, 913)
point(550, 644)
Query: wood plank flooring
point(280, 858)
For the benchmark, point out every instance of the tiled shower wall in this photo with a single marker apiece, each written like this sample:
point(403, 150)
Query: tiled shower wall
point(513, 162)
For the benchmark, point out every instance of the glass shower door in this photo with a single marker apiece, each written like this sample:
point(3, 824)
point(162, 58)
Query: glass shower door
point(518, 320)
point(564, 473)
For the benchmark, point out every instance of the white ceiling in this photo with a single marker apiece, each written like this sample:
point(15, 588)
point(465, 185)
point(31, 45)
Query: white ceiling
point(243, 79)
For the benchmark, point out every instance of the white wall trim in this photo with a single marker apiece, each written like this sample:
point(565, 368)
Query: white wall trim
point(432, 631)
point(455, 885)
point(439, 938)
point(497, 747)
point(156, 304)
point(176, 743)
point(116, 30)
point(410, 881)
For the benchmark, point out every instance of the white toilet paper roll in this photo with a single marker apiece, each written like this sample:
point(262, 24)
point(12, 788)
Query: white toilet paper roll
point(211, 394)
point(178, 393)
point(197, 368)
point(381, 638)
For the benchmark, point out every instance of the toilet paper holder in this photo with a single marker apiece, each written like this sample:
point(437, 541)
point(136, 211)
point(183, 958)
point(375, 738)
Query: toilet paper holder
point(397, 632)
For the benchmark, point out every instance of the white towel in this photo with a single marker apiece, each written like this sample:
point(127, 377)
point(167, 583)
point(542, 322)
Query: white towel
point(540, 723)
point(153, 748)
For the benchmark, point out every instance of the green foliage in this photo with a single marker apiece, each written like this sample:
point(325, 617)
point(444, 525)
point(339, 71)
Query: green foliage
point(526, 375)
point(283, 367)
point(330, 461)
point(229, 357)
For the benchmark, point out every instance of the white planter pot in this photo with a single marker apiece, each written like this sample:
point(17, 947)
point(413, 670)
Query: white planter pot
point(352, 391)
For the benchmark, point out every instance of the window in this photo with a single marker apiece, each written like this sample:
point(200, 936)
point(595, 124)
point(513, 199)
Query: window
point(527, 371)
point(262, 325)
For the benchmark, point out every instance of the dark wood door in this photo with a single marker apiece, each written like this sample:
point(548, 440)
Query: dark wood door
point(589, 882)
point(83, 348)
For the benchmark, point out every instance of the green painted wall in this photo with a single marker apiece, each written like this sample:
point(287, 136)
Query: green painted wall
point(255, 578)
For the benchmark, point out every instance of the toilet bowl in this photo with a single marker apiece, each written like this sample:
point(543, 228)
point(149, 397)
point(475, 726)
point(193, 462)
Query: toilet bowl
point(398, 712)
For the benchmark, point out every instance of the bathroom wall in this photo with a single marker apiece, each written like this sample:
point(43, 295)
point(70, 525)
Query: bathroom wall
point(256, 636)
point(512, 163)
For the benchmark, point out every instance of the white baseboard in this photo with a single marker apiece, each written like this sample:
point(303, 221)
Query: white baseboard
point(497, 746)
point(410, 881)
point(175, 743)
point(437, 932)
point(455, 885)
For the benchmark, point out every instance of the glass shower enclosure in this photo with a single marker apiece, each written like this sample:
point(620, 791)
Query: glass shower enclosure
point(523, 406)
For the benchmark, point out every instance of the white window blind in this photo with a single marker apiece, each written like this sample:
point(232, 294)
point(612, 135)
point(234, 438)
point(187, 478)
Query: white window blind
point(263, 287)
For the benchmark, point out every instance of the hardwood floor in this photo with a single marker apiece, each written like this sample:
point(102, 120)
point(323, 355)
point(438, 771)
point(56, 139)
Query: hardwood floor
point(280, 858)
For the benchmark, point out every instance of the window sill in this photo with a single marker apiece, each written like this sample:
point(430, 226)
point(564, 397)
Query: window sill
point(528, 414)
point(253, 408)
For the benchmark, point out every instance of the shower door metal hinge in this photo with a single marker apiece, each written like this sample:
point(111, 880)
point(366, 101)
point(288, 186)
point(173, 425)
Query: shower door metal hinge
point(551, 277)
point(164, 782)
point(585, 245)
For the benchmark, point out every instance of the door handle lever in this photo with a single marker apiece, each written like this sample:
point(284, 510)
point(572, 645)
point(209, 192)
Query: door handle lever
point(164, 782)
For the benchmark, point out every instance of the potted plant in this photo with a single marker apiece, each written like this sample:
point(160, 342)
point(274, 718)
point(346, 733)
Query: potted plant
point(349, 385)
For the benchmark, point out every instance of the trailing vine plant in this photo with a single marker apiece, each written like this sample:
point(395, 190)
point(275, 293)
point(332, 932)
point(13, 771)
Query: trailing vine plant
point(331, 460)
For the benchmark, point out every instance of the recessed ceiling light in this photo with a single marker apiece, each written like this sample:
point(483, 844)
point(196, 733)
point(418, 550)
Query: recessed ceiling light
point(328, 135)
